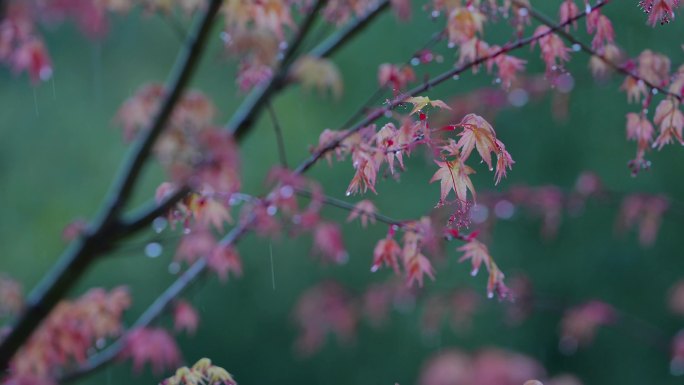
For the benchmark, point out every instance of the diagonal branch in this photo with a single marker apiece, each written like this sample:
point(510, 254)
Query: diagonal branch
point(244, 117)
point(587, 49)
point(336, 41)
point(108, 227)
point(146, 215)
point(436, 37)
point(181, 73)
point(279, 135)
point(101, 359)
point(334, 202)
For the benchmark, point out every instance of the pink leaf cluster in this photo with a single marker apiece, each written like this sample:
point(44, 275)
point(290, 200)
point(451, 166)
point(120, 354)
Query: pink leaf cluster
point(580, 324)
point(154, 346)
point(488, 366)
point(645, 212)
point(478, 254)
point(69, 334)
point(202, 372)
point(185, 317)
point(323, 309)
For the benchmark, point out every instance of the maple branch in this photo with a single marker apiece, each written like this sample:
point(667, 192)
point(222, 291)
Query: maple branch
point(181, 73)
point(108, 227)
point(436, 37)
point(156, 309)
point(540, 17)
point(329, 46)
point(146, 215)
point(175, 25)
point(245, 116)
point(334, 202)
point(279, 135)
point(380, 112)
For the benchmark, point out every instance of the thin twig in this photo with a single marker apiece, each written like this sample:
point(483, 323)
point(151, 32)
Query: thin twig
point(334, 202)
point(108, 227)
point(175, 25)
point(437, 36)
point(146, 215)
point(279, 135)
point(587, 49)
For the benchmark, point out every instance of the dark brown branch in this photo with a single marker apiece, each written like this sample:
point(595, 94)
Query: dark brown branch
point(245, 116)
point(380, 112)
point(107, 228)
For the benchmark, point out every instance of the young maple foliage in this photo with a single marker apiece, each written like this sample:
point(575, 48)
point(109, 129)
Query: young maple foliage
point(68, 334)
point(453, 175)
point(325, 308)
point(155, 346)
point(203, 159)
point(202, 372)
point(580, 324)
point(185, 317)
point(477, 253)
point(659, 10)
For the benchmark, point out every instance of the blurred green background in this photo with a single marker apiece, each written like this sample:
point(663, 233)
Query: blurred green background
point(59, 150)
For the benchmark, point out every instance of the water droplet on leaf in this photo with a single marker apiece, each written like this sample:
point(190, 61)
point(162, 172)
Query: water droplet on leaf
point(159, 224)
point(174, 267)
point(153, 249)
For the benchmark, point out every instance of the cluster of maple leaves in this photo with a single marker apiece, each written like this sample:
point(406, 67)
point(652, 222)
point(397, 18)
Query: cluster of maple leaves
point(196, 153)
point(68, 335)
